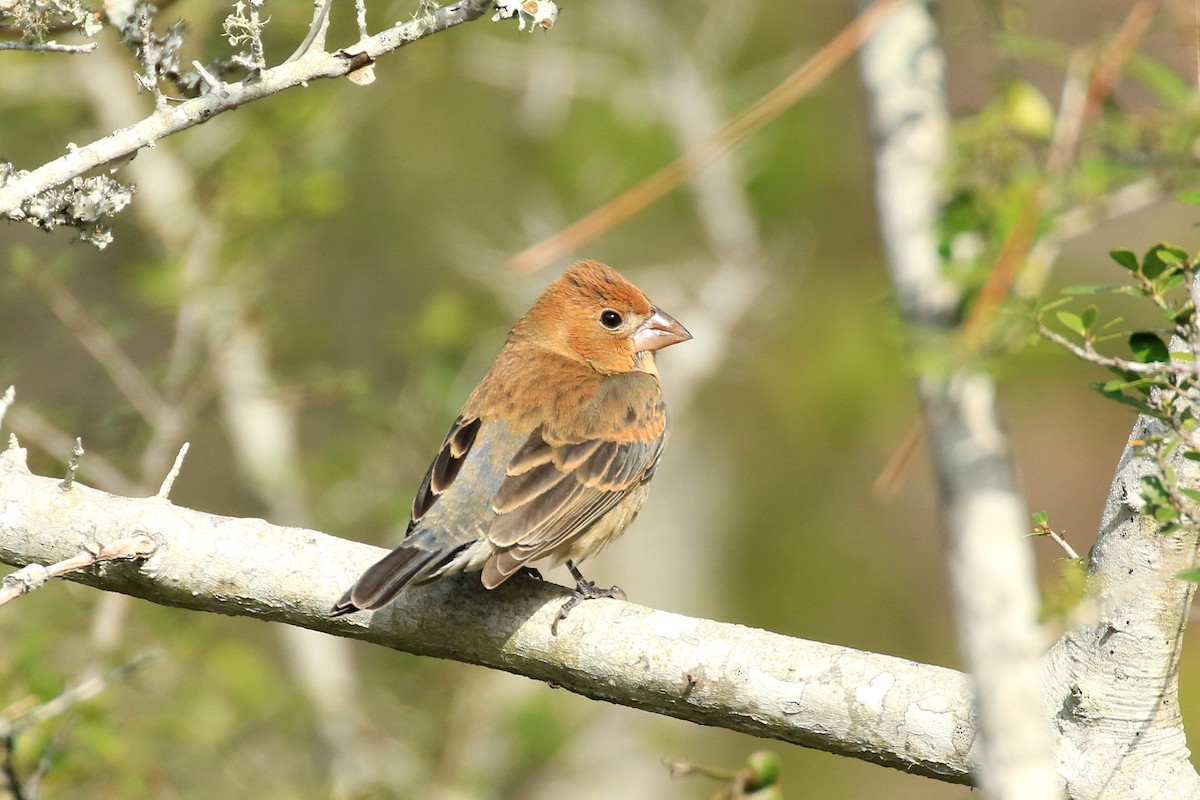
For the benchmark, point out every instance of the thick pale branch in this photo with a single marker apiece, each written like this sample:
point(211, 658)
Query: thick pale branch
point(223, 97)
point(1113, 680)
point(991, 562)
point(878, 708)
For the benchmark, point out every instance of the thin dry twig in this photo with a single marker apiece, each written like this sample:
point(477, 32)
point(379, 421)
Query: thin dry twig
point(169, 481)
point(6, 400)
point(81, 691)
point(73, 465)
point(33, 576)
point(810, 75)
point(1020, 245)
point(121, 369)
point(49, 47)
point(34, 428)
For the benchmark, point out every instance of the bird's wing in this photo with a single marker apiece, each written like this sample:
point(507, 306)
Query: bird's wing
point(424, 552)
point(570, 473)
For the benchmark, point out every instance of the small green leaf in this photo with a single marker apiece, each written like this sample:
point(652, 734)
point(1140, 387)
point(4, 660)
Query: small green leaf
point(1184, 315)
point(1152, 265)
point(1125, 258)
point(1148, 348)
point(1166, 513)
point(1040, 517)
point(1191, 197)
point(1191, 494)
point(1153, 491)
point(1126, 400)
point(1072, 321)
point(1192, 575)
point(1169, 281)
point(1088, 317)
point(1169, 256)
point(1191, 455)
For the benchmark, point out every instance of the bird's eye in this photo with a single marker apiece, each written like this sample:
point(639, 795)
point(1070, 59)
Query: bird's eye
point(610, 319)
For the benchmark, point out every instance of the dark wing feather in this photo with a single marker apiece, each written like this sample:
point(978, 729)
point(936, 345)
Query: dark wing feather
point(445, 466)
point(422, 554)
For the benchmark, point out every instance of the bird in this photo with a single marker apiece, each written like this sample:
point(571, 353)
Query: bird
point(551, 456)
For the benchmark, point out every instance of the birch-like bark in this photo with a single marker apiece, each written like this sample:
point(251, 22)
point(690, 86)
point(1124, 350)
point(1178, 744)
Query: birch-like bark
point(1112, 681)
point(991, 563)
point(887, 710)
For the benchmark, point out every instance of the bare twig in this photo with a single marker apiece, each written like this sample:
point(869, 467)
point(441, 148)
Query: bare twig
point(36, 429)
point(6, 400)
point(49, 47)
point(18, 193)
point(73, 695)
point(316, 31)
point(767, 108)
point(169, 481)
point(360, 14)
point(33, 576)
point(121, 369)
point(73, 465)
point(1087, 352)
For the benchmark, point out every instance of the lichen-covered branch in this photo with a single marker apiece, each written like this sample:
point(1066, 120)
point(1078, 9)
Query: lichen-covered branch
point(21, 191)
point(1112, 679)
point(887, 710)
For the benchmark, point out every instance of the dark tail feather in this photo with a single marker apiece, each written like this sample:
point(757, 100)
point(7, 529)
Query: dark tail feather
point(389, 576)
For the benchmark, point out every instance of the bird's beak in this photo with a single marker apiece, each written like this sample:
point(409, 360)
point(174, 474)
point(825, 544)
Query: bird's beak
point(658, 331)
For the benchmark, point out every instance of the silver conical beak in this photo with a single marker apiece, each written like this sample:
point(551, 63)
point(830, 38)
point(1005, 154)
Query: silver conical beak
point(658, 331)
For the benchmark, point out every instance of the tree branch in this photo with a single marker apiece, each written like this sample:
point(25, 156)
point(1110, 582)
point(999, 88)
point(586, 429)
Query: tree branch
point(991, 562)
point(18, 193)
point(887, 710)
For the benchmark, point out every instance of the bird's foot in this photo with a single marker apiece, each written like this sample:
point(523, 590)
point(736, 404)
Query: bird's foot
point(584, 590)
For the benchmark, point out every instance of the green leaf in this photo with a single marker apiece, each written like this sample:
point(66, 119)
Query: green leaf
point(1152, 265)
point(1088, 317)
point(1191, 494)
point(1125, 258)
point(1072, 321)
point(1191, 455)
point(1191, 197)
point(1126, 400)
point(1153, 492)
point(1184, 315)
point(1192, 575)
point(1040, 517)
point(1166, 514)
point(1170, 256)
point(1148, 348)
point(1169, 281)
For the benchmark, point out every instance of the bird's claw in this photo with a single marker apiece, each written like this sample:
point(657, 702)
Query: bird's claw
point(584, 590)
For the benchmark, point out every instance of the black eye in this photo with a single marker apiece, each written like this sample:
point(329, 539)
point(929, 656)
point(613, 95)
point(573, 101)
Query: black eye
point(610, 319)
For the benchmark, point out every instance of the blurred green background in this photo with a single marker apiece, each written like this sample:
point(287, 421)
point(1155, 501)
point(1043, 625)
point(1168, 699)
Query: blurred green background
point(362, 233)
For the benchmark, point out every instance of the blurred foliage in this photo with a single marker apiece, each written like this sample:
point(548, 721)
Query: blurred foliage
point(366, 229)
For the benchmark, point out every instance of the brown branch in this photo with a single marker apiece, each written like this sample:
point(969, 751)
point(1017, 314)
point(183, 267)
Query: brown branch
point(782, 97)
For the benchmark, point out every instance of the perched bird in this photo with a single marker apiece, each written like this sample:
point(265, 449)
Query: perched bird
point(552, 453)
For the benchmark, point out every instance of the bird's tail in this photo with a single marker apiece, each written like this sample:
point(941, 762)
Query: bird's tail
point(405, 566)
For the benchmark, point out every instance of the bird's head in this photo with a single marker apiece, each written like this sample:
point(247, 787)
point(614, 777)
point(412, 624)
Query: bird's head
point(593, 315)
